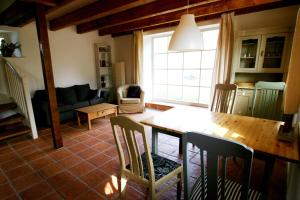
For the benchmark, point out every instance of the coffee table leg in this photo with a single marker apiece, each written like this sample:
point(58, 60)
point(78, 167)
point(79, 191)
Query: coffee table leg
point(78, 119)
point(154, 140)
point(116, 111)
point(89, 122)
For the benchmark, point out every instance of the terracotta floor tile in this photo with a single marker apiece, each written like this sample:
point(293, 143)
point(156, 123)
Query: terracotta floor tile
point(5, 191)
point(99, 159)
point(52, 196)
point(112, 152)
point(28, 150)
point(88, 153)
point(12, 164)
point(61, 179)
point(107, 188)
point(27, 181)
point(13, 197)
point(82, 137)
point(51, 170)
point(36, 191)
point(21, 145)
point(60, 154)
point(18, 172)
point(81, 169)
point(94, 177)
point(8, 156)
point(90, 195)
point(69, 142)
point(101, 146)
point(78, 148)
point(74, 190)
point(33, 156)
point(90, 142)
point(111, 167)
point(2, 179)
point(70, 161)
point(41, 162)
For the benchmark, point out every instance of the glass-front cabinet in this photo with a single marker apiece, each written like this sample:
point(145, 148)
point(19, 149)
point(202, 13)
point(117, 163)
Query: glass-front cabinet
point(261, 53)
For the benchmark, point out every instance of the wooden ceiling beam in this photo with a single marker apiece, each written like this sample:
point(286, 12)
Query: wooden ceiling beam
point(93, 11)
point(141, 12)
point(201, 12)
point(42, 2)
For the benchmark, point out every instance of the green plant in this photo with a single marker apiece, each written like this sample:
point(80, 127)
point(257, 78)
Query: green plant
point(7, 49)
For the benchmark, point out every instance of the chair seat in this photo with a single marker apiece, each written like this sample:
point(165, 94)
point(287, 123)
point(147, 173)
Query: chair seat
point(232, 190)
point(162, 166)
point(130, 100)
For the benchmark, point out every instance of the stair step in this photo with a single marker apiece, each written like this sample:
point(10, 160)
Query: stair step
point(20, 130)
point(7, 106)
point(16, 118)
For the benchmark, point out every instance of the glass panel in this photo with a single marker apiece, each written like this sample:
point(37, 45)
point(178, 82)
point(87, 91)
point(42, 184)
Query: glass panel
point(160, 76)
point(210, 39)
point(175, 60)
point(204, 95)
point(206, 78)
point(190, 94)
point(174, 92)
point(175, 77)
point(191, 77)
point(273, 52)
point(248, 53)
point(160, 61)
point(208, 59)
point(160, 44)
point(192, 59)
point(160, 91)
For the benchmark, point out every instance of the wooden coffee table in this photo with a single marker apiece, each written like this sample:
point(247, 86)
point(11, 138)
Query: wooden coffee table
point(95, 111)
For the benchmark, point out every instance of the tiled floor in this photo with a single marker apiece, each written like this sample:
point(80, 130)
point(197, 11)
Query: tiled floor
point(85, 167)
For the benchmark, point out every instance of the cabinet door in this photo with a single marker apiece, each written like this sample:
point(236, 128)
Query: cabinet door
point(247, 55)
point(272, 52)
point(243, 102)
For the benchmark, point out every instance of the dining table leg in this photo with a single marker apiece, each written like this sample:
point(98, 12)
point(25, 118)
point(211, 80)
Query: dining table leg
point(268, 170)
point(154, 140)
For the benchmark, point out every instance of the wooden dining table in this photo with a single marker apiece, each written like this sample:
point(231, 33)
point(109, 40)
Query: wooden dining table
point(259, 134)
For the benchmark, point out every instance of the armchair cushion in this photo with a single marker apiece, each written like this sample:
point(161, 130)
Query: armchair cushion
point(82, 92)
point(133, 92)
point(130, 100)
point(68, 95)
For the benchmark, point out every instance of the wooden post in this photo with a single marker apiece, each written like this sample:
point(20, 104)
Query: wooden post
point(41, 25)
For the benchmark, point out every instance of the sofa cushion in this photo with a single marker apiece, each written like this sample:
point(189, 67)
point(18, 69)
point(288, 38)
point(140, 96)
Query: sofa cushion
point(68, 95)
point(133, 92)
point(41, 95)
point(65, 108)
point(96, 101)
point(130, 100)
point(81, 104)
point(82, 92)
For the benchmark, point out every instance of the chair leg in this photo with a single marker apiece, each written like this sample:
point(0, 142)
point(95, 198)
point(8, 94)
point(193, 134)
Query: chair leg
point(152, 194)
point(121, 193)
point(179, 186)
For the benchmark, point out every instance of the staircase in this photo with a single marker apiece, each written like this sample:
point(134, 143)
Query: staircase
point(11, 122)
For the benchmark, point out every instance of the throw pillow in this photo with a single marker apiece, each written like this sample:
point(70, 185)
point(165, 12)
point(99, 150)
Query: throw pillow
point(68, 95)
point(133, 92)
point(82, 92)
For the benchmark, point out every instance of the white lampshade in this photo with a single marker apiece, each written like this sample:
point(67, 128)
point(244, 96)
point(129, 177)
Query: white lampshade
point(187, 36)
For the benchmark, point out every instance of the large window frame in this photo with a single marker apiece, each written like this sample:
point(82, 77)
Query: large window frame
point(184, 70)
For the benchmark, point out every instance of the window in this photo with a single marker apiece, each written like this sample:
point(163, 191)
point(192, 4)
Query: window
point(183, 76)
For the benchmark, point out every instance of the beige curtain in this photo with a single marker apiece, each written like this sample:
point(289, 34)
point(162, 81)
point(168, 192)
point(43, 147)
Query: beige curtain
point(223, 60)
point(292, 91)
point(137, 56)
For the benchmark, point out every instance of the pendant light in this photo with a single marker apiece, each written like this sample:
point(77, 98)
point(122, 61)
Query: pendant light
point(187, 36)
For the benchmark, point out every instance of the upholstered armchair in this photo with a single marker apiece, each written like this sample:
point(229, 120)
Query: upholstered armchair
point(130, 103)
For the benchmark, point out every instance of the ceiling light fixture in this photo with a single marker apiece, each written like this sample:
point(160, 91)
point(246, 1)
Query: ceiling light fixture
point(187, 36)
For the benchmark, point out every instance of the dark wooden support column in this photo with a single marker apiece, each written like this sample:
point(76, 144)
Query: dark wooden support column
point(41, 25)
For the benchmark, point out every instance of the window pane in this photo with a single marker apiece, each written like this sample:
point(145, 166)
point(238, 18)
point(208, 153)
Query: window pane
point(208, 59)
point(206, 78)
point(192, 59)
point(160, 76)
point(204, 95)
point(191, 77)
point(160, 91)
point(175, 77)
point(210, 39)
point(160, 61)
point(174, 92)
point(175, 60)
point(191, 94)
point(160, 45)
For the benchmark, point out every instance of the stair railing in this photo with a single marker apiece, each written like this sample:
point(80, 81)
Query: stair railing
point(18, 89)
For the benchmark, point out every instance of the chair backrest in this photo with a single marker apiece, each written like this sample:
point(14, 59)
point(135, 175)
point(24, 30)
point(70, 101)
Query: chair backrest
point(213, 154)
point(127, 131)
point(224, 98)
point(267, 101)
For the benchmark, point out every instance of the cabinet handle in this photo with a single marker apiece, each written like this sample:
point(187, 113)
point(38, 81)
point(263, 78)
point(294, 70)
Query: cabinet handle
point(262, 53)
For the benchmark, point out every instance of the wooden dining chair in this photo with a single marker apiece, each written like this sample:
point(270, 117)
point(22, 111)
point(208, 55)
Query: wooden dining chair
point(214, 152)
point(224, 98)
point(146, 168)
point(267, 101)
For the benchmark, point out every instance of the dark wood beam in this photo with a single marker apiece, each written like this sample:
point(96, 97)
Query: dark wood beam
point(93, 11)
point(205, 12)
point(42, 2)
point(141, 12)
point(42, 30)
